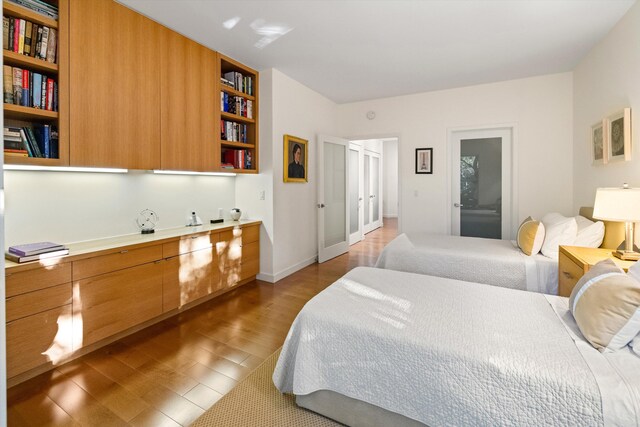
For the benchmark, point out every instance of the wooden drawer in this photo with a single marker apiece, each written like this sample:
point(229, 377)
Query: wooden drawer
point(568, 275)
point(117, 261)
point(188, 244)
point(39, 278)
point(241, 235)
point(36, 340)
point(188, 277)
point(113, 302)
point(250, 252)
point(38, 301)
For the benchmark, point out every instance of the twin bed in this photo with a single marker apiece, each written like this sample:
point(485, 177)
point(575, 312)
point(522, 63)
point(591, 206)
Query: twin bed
point(382, 347)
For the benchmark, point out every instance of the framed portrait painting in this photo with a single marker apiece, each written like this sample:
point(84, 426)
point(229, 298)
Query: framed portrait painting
point(295, 159)
point(619, 135)
point(599, 146)
point(424, 160)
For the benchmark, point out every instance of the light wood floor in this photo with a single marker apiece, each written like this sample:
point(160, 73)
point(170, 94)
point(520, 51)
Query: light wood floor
point(169, 373)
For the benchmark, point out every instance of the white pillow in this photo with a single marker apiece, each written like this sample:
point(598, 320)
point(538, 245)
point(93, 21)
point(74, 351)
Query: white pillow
point(635, 345)
point(560, 230)
point(590, 234)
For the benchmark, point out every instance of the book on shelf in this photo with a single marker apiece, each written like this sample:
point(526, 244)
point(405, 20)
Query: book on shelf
point(5, 32)
point(39, 141)
point(16, 153)
point(8, 84)
point(21, 259)
point(236, 105)
point(232, 131)
point(37, 248)
point(22, 29)
point(38, 6)
point(27, 38)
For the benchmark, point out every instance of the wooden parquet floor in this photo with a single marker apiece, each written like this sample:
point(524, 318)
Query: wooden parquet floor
point(170, 373)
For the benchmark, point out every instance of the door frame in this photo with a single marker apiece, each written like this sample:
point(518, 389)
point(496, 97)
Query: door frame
point(374, 225)
point(358, 235)
point(512, 210)
point(327, 253)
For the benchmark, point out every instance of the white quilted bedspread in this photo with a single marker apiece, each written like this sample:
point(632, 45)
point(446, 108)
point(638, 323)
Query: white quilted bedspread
point(489, 261)
point(440, 351)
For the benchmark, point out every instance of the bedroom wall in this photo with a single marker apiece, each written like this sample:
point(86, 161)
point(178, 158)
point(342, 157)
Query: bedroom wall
point(296, 110)
point(606, 81)
point(390, 179)
point(540, 107)
point(69, 207)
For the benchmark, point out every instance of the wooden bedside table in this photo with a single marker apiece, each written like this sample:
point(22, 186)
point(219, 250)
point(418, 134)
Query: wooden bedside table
point(574, 261)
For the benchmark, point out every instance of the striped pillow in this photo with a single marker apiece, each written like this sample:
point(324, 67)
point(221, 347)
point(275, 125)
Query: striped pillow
point(606, 305)
point(530, 236)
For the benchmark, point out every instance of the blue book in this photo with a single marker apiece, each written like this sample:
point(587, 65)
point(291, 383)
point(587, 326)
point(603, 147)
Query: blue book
point(43, 136)
point(37, 93)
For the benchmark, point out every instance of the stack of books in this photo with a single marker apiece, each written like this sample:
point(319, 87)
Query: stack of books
point(236, 159)
point(42, 7)
point(238, 82)
point(39, 141)
point(35, 251)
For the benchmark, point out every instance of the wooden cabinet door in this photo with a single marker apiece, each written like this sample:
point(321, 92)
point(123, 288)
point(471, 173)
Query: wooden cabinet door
point(110, 303)
point(39, 339)
point(188, 277)
point(188, 97)
point(114, 86)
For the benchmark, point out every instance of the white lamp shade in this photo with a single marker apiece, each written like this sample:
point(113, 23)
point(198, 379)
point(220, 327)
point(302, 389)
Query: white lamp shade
point(617, 204)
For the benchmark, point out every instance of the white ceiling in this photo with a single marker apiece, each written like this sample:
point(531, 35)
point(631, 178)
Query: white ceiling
point(355, 50)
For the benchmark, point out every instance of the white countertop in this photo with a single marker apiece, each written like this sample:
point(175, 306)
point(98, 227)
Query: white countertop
point(98, 245)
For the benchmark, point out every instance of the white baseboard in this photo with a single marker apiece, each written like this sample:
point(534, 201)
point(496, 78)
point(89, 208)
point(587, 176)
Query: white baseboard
point(389, 215)
point(273, 278)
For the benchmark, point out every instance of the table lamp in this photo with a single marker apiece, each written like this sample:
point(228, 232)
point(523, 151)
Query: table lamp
point(620, 204)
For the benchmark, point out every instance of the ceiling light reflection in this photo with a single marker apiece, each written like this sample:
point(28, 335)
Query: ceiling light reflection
point(269, 33)
point(230, 23)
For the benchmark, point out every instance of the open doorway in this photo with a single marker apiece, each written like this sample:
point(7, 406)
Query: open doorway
point(373, 184)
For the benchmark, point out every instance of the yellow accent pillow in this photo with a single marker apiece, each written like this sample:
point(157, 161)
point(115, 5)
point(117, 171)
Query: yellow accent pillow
point(530, 236)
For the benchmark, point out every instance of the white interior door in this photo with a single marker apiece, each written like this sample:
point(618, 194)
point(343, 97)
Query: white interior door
point(333, 197)
point(372, 191)
point(481, 177)
point(356, 196)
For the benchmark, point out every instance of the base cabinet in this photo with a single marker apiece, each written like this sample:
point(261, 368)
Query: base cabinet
point(39, 339)
point(110, 303)
point(54, 311)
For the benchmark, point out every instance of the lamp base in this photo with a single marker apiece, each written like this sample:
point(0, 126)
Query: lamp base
point(626, 256)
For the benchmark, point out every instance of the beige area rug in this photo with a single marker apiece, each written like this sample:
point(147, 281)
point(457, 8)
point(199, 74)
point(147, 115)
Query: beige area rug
point(255, 401)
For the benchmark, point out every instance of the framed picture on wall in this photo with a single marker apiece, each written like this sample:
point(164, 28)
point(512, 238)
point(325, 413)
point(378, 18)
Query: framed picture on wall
point(424, 160)
point(295, 159)
point(619, 135)
point(599, 146)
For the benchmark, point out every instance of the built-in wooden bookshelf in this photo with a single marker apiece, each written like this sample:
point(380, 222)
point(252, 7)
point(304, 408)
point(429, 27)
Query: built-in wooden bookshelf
point(242, 135)
point(21, 116)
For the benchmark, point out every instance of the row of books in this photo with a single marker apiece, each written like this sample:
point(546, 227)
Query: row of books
point(35, 251)
point(232, 131)
point(30, 39)
point(29, 89)
point(236, 159)
point(237, 81)
point(39, 6)
point(39, 141)
point(236, 105)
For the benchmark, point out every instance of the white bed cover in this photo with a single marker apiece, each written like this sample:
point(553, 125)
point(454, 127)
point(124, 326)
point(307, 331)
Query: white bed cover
point(446, 352)
point(490, 261)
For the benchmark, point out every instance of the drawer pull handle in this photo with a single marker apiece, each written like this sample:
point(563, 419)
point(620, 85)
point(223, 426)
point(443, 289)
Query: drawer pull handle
point(194, 237)
point(124, 251)
point(567, 275)
point(158, 261)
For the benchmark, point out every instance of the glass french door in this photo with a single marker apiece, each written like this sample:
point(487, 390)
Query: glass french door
point(333, 197)
point(356, 214)
point(372, 193)
point(481, 184)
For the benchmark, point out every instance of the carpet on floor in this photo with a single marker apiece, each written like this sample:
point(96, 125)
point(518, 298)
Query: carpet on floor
point(255, 401)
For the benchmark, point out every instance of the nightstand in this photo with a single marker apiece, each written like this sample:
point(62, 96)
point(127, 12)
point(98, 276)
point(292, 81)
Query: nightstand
point(574, 261)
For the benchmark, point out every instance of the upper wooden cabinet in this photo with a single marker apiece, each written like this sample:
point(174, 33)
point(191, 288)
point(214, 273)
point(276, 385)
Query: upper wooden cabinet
point(114, 83)
point(189, 127)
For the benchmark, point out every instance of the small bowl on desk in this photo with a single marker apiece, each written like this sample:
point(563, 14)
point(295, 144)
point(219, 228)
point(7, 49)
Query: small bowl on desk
point(235, 214)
